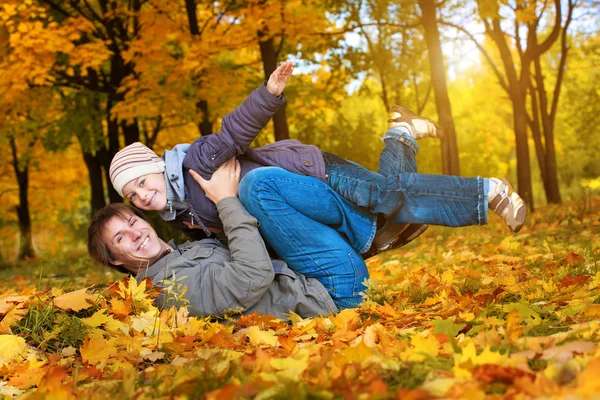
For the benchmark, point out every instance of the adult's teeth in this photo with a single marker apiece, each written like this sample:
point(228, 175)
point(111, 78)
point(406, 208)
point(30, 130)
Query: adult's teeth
point(145, 243)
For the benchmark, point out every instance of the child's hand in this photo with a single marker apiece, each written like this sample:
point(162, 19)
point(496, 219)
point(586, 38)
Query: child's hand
point(279, 78)
point(223, 183)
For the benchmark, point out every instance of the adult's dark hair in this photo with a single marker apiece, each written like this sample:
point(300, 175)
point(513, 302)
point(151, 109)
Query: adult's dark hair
point(97, 247)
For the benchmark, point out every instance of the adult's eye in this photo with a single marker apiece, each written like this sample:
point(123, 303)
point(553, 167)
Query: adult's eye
point(142, 182)
point(132, 197)
point(119, 239)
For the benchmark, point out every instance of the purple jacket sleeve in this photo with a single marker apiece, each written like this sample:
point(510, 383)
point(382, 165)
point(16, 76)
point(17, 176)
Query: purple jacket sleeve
point(239, 128)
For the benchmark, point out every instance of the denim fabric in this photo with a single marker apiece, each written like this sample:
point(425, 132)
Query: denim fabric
point(312, 228)
point(408, 197)
point(399, 152)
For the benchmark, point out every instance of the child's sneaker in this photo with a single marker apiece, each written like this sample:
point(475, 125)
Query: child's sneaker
point(505, 202)
point(420, 127)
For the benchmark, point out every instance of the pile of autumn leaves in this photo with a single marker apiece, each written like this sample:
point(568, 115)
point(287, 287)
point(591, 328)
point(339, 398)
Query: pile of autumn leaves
point(465, 314)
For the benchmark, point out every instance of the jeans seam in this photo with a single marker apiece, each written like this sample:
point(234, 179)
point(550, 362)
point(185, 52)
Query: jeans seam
point(373, 219)
point(482, 202)
point(354, 284)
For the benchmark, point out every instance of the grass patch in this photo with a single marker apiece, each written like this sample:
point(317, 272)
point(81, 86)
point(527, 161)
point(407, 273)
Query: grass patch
point(51, 329)
point(410, 376)
point(417, 294)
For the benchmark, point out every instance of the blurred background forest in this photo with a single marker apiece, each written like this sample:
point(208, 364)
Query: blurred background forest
point(515, 84)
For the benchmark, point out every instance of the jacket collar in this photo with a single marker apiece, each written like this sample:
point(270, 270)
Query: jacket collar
point(174, 178)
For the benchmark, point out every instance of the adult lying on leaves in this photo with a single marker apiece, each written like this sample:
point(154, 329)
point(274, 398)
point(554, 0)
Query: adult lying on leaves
point(219, 279)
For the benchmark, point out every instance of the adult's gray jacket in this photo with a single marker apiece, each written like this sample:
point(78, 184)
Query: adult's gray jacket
point(238, 129)
point(242, 277)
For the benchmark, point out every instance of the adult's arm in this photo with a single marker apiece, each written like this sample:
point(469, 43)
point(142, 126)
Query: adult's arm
point(242, 281)
point(239, 128)
point(243, 278)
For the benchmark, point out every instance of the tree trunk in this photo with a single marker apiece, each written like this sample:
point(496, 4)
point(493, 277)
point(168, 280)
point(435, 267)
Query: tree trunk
point(94, 166)
point(205, 124)
point(551, 186)
point(523, 162)
point(450, 161)
point(106, 155)
point(269, 59)
point(26, 238)
point(190, 8)
point(131, 132)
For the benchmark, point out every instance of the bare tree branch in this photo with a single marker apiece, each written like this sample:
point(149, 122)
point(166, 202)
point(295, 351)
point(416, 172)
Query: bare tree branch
point(501, 79)
point(361, 26)
point(563, 60)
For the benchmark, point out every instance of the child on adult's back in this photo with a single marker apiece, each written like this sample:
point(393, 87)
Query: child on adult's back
point(166, 184)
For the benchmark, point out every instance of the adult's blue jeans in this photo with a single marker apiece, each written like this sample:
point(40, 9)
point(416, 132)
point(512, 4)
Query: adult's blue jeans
point(312, 228)
point(399, 192)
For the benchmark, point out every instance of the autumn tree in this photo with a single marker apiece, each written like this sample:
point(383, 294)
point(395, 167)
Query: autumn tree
point(535, 27)
point(395, 36)
point(24, 123)
point(79, 45)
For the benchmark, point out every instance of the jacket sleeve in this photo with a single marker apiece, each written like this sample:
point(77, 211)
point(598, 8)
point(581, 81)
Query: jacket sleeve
point(239, 128)
point(241, 281)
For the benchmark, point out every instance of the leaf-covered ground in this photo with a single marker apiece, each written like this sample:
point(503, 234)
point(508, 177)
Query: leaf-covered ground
point(461, 313)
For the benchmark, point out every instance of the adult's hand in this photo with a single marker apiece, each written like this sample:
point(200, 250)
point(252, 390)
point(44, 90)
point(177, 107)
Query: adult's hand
point(223, 183)
point(279, 78)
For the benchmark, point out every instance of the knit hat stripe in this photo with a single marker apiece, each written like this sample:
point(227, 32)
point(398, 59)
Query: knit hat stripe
point(132, 162)
point(126, 163)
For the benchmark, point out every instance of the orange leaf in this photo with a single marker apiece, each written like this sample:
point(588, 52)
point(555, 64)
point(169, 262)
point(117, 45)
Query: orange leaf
point(76, 301)
point(95, 351)
point(120, 307)
point(27, 378)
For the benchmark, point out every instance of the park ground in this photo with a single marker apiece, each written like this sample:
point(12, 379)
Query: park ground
point(459, 313)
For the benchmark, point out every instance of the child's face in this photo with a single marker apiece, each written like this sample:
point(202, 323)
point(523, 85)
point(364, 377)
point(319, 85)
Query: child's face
point(148, 192)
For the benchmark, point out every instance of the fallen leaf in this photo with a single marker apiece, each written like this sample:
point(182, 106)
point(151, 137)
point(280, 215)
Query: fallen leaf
point(76, 301)
point(11, 348)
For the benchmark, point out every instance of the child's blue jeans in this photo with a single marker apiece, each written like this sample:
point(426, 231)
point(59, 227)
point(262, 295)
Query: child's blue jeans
point(399, 192)
point(320, 234)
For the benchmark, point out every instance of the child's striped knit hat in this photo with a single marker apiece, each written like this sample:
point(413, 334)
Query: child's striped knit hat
point(132, 162)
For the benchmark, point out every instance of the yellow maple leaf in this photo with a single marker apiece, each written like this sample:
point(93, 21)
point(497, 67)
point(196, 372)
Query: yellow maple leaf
point(358, 353)
point(137, 292)
point(448, 276)
point(96, 351)
point(76, 301)
point(424, 346)
point(293, 366)
point(257, 336)
point(97, 319)
point(11, 348)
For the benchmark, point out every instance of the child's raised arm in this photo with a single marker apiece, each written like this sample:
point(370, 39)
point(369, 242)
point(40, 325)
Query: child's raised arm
point(241, 126)
point(279, 78)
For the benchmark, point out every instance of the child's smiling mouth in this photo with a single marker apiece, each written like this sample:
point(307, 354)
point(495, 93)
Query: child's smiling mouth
point(151, 199)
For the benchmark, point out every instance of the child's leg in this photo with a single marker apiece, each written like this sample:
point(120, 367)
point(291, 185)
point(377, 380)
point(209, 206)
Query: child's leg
point(311, 228)
point(411, 197)
point(398, 155)
point(399, 152)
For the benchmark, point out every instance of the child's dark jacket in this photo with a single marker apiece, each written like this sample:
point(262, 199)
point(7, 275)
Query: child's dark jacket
point(239, 129)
